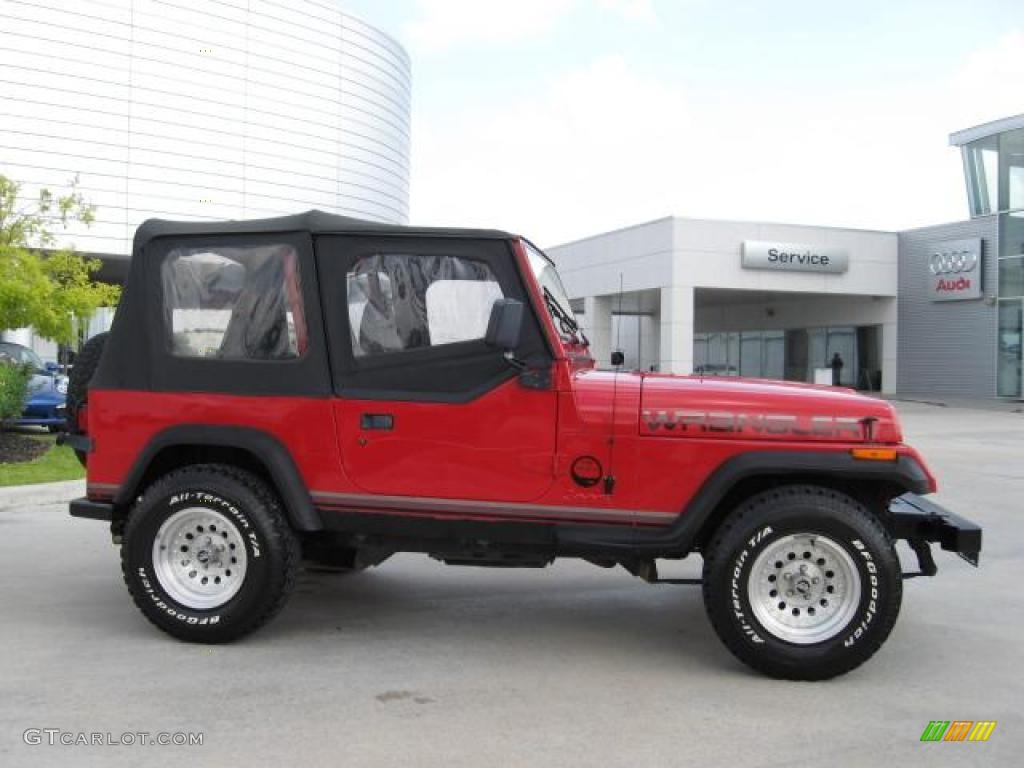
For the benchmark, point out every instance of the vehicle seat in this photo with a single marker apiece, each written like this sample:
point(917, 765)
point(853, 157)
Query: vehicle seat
point(258, 328)
point(377, 332)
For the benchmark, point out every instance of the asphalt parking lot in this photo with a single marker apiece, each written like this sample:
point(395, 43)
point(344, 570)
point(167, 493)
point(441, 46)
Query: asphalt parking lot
point(416, 663)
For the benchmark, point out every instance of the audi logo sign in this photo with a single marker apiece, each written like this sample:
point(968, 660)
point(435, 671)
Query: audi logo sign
point(953, 262)
point(953, 269)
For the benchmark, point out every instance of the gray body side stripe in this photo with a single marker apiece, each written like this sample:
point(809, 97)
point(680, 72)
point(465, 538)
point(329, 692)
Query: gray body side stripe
point(358, 501)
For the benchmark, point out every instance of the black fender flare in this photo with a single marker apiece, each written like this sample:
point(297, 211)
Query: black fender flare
point(681, 535)
point(263, 446)
point(904, 472)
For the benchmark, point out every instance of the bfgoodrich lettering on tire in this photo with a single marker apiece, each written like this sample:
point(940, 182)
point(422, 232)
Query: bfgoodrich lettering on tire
point(802, 582)
point(207, 553)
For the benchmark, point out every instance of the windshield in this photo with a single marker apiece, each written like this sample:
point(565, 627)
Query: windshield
point(555, 297)
point(21, 355)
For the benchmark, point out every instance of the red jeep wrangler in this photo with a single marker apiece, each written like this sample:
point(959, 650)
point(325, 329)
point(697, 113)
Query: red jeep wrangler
point(326, 388)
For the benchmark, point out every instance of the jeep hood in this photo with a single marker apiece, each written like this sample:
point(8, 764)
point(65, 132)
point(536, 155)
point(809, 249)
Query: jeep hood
point(728, 408)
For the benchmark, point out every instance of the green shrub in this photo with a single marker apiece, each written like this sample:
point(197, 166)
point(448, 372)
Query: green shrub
point(13, 389)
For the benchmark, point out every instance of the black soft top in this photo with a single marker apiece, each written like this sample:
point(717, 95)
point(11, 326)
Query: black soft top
point(315, 222)
point(135, 357)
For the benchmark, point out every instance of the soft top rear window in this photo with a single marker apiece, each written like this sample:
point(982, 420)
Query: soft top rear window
point(234, 302)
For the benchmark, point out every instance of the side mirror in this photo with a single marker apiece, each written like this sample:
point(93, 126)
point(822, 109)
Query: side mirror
point(505, 327)
point(52, 367)
point(618, 358)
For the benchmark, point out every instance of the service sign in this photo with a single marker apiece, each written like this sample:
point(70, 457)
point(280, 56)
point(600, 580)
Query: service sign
point(954, 270)
point(793, 257)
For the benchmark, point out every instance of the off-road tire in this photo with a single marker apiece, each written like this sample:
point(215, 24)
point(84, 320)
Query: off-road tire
point(762, 525)
point(271, 549)
point(86, 363)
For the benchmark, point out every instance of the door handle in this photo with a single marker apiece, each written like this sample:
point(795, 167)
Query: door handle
point(377, 421)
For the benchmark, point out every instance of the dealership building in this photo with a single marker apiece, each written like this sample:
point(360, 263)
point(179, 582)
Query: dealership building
point(930, 311)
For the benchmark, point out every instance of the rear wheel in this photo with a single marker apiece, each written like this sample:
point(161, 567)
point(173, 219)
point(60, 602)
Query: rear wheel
point(208, 555)
point(802, 583)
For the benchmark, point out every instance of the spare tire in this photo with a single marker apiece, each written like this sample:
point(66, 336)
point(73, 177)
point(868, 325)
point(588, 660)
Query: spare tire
point(85, 366)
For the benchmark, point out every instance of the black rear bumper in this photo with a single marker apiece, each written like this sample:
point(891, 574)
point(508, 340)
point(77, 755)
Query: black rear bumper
point(80, 443)
point(922, 522)
point(93, 510)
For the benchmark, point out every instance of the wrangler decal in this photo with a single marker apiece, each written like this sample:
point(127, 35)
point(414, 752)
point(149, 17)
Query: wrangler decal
point(730, 422)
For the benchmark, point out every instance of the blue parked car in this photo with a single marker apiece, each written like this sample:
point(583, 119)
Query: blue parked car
point(47, 389)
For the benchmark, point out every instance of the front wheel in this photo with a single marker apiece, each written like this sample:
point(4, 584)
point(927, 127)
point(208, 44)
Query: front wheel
point(802, 583)
point(208, 555)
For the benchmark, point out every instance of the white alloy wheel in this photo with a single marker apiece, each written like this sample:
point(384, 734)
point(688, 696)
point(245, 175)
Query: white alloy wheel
point(804, 588)
point(199, 558)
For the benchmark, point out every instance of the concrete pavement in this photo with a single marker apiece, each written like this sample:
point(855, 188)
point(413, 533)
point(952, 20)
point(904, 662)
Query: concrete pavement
point(18, 496)
point(416, 663)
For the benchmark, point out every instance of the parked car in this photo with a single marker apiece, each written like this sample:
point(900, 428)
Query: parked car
point(322, 387)
point(46, 403)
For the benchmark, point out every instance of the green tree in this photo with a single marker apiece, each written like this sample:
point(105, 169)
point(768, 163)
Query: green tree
point(13, 388)
point(51, 289)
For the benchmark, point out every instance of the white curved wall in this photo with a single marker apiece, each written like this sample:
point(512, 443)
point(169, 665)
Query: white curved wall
point(195, 109)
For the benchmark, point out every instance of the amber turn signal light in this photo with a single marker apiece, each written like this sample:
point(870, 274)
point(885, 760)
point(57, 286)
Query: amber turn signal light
point(874, 454)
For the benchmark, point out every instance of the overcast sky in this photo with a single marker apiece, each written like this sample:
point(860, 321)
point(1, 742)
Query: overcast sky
point(563, 118)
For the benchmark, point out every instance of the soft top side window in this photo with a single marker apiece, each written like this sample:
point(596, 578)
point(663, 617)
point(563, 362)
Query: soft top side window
point(234, 303)
point(398, 302)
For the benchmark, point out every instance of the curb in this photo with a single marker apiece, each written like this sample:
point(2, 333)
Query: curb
point(41, 493)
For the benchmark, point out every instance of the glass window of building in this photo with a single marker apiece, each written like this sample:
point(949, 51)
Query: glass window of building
point(981, 164)
point(1011, 235)
point(1011, 289)
point(716, 354)
point(1010, 359)
point(763, 354)
point(1011, 277)
point(750, 355)
point(755, 354)
point(1011, 255)
point(774, 355)
point(1011, 170)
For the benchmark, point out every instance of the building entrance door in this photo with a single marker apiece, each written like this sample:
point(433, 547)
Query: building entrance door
point(824, 343)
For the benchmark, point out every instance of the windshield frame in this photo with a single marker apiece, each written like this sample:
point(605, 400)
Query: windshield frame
point(567, 325)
